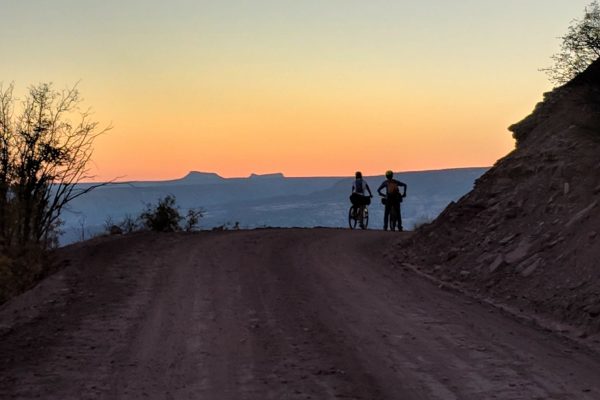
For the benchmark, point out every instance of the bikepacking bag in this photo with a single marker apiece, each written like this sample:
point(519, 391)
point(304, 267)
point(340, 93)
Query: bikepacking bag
point(359, 200)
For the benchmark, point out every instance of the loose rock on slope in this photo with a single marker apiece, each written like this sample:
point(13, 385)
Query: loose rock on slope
point(527, 232)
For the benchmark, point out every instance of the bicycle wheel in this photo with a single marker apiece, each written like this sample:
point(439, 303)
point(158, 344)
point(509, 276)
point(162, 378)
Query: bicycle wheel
point(365, 217)
point(352, 220)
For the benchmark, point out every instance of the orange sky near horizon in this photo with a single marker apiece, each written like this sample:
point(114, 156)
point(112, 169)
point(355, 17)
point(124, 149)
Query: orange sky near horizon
point(306, 88)
point(302, 134)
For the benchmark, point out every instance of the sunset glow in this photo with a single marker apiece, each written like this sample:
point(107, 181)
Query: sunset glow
point(307, 88)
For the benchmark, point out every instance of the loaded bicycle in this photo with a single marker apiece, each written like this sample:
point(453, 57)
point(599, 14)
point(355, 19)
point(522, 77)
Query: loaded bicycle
point(358, 215)
point(393, 214)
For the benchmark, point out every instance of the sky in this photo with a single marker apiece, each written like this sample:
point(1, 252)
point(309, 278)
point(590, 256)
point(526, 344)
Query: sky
point(306, 88)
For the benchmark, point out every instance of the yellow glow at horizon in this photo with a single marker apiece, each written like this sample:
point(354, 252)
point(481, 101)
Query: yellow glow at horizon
point(303, 88)
point(239, 129)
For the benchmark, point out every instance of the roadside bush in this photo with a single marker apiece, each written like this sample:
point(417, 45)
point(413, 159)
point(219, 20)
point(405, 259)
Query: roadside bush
point(192, 219)
point(108, 224)
point(230, 226)
point(129, 224)
point(162, 217)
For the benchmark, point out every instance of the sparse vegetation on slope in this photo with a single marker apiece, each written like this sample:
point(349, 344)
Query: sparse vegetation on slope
point(580, 47)
point(528, 234)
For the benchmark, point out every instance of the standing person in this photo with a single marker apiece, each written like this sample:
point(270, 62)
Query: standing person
point(393, 198)
point(358, 198)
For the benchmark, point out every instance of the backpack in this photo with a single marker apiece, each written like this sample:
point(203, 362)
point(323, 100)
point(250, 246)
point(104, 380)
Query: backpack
point(358, 186)
point(392, 187)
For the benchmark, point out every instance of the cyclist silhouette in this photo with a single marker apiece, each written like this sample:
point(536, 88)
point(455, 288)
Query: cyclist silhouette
point(358, 198)
point(392, 199)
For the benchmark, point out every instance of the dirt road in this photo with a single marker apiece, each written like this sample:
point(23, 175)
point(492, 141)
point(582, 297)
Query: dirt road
point(269, 314)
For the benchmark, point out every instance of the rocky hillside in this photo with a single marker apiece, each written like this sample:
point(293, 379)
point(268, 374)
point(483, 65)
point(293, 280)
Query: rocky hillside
point(528, 234)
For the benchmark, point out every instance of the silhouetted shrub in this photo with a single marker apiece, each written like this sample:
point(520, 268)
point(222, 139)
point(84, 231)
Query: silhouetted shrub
point(162, 217)
point(580, 47)
point(129, 224)
point(192, 219)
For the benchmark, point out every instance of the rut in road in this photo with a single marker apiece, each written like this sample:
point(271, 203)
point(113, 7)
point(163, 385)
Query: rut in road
point(270, 314)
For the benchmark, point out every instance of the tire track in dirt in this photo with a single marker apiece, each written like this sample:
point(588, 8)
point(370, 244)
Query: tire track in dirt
point(270, 314)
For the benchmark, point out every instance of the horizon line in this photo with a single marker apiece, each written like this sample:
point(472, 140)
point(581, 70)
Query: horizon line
point(252, 174)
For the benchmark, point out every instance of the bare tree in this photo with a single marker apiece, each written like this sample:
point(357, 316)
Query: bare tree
point(192, 219)
point(6, 139)
point(579, 48)
point(45, 150)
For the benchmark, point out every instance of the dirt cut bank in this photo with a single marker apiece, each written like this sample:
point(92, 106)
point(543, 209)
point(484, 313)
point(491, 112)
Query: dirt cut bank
point(528, 234)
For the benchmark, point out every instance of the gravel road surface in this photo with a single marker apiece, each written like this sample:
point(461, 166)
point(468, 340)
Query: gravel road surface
point(270, 314)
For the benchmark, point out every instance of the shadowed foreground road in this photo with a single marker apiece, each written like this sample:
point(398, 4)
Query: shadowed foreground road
point(269, 314)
